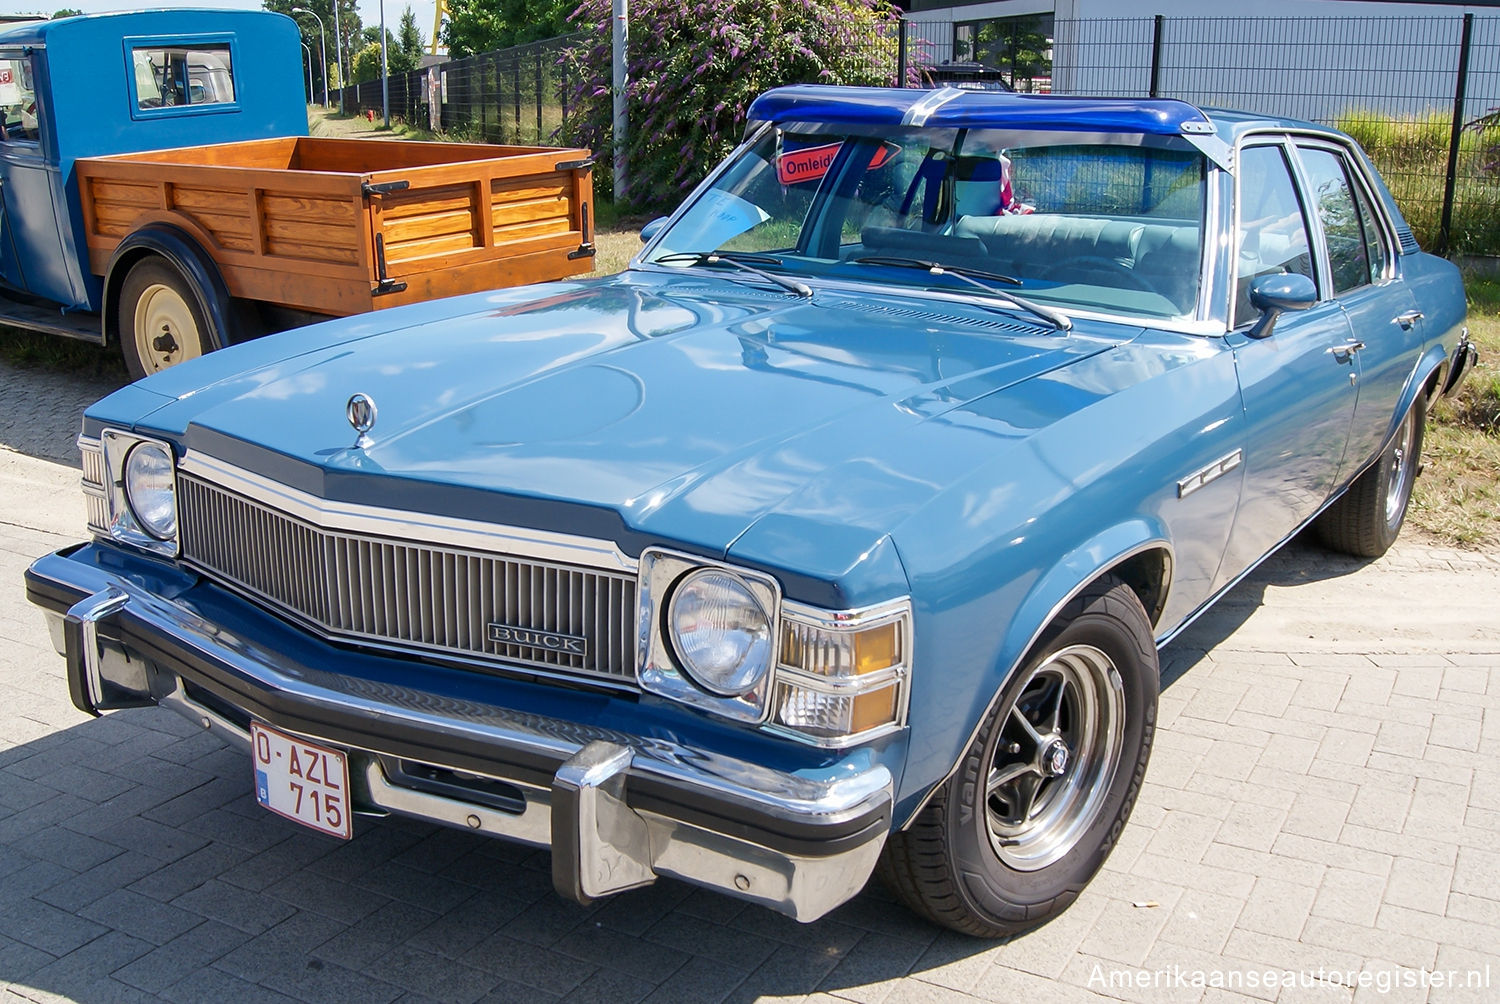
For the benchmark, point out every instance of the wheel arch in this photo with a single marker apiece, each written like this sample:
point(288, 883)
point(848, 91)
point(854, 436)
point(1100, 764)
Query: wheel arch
point(1137, 552)
point(182, 252)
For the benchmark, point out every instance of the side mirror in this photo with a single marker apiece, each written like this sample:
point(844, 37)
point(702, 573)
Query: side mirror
point(1274, 294)
point(650, 230)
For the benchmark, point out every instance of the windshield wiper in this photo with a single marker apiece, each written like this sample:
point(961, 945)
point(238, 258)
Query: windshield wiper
point(739, 260)
point(1056, 318)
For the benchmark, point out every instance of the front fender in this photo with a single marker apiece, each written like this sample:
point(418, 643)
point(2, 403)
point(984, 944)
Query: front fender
point(195, 265)
point(936, 752)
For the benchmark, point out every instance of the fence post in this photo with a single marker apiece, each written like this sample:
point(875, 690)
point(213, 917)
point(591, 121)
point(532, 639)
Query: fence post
point(901, 53)
point(515, 73)
point(538, 95)
point(1156, 58)
point(1450, 179)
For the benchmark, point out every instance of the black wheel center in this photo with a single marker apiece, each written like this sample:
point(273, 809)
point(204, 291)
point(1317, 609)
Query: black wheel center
point(164, 342)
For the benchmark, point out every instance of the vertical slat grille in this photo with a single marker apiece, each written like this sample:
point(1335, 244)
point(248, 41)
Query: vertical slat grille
point(414, 596)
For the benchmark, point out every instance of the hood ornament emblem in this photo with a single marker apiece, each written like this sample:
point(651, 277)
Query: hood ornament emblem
point(360, 410)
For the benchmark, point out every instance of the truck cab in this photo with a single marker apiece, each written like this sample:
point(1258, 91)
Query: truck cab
point(161, 191)
point(105, 84)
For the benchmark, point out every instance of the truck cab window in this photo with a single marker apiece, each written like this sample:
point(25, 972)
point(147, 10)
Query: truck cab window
point(17, 101)
point(167, 76)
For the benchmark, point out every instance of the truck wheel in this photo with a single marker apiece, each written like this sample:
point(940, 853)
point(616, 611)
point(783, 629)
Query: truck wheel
point(1041, 796)
point(1367, 518)
point(159, 320)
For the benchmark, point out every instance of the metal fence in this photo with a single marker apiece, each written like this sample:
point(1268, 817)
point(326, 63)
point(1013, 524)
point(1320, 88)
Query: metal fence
point(517, 96)
point(1410, 89)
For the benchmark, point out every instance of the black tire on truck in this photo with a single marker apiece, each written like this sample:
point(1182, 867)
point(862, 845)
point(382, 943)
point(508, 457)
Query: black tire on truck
point(160, 321)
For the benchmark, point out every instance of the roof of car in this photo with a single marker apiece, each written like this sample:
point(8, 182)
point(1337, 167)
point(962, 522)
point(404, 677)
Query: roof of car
point(954, 107)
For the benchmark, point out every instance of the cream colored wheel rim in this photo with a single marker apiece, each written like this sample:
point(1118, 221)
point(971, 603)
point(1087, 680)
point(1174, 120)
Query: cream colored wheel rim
point(165, 332)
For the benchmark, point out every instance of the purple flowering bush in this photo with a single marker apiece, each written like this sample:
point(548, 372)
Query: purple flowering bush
point(695, 66)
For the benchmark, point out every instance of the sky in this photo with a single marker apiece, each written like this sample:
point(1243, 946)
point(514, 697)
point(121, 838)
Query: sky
point(369, 10)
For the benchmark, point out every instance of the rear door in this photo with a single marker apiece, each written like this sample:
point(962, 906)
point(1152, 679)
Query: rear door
point(1386, 326)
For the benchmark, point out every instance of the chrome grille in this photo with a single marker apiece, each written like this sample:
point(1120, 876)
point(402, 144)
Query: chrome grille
point(412, 596)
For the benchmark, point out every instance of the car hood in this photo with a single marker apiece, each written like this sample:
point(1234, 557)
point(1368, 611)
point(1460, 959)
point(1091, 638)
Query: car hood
point(689, 407)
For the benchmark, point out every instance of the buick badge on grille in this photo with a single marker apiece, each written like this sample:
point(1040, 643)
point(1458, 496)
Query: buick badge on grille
point(547, 641)
point(360, 410)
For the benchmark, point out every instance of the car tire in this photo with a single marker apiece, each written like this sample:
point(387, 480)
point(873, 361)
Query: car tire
point(160, 322)
point(1367, 518)
point(1068, 739)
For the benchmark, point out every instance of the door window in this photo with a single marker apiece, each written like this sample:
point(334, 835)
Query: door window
point(17, 100)
point(1272, 229)
point(1355, 257)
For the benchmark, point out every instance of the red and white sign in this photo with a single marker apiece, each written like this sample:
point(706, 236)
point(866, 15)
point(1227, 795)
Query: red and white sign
point(810, 163)
point(7, 76)
point(302, 781)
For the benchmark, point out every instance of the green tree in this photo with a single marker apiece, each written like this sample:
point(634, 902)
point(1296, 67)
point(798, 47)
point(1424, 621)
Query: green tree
point(481, 25)
point(66, 12)
point(694, 71)
point(366, 63)
point(407, 55)
point(346, 25)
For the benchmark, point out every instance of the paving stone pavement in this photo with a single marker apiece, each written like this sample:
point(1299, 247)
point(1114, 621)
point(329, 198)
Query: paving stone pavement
point(1318, 824)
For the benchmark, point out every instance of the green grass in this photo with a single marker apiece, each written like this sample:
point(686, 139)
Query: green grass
point(1458, 496)
point(1412, 156)
point(33, 350)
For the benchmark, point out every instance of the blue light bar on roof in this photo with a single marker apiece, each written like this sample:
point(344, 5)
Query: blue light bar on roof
point(951, 107)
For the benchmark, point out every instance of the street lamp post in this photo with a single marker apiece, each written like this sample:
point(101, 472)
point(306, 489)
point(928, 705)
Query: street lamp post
point(309, 72)
point(322, 48)
point(338, 53)
point(385, 72)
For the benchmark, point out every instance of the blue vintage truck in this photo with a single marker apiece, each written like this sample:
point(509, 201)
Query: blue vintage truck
point(160, 190)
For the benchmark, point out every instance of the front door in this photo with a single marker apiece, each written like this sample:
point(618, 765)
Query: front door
point(1300, 384)
point(20, 157)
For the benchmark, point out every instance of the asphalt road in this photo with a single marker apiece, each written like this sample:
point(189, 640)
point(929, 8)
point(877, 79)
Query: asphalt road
point(1318, 824)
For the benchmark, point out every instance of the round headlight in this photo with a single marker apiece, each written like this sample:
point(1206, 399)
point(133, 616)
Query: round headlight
point(721, 632)
point(151, 489)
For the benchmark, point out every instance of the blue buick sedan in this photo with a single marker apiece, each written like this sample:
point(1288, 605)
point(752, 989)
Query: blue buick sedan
point(837, 536)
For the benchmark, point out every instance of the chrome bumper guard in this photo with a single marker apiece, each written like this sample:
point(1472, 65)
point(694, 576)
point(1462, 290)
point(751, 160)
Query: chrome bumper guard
point(617, 810)
point(1465, 358)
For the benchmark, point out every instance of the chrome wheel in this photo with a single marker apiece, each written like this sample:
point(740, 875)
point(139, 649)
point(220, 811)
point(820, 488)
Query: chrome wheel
point(1058, 749)
point(1401, 462)
point(1045, 785)
point(165, 330)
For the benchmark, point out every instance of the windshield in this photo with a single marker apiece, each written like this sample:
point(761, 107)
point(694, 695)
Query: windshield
point(1106, 223)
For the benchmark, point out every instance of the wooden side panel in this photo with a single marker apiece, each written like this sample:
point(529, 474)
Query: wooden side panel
point(420, 222)
point(297, 221)
point(312, 229)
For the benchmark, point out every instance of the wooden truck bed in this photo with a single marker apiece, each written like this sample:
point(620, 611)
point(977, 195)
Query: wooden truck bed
point(339, 226)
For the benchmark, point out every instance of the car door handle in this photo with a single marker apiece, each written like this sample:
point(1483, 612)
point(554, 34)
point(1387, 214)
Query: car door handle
point(1347, 349)
point(1407, 319)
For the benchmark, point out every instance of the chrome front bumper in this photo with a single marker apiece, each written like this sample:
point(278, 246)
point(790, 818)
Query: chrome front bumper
point(617, 810)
